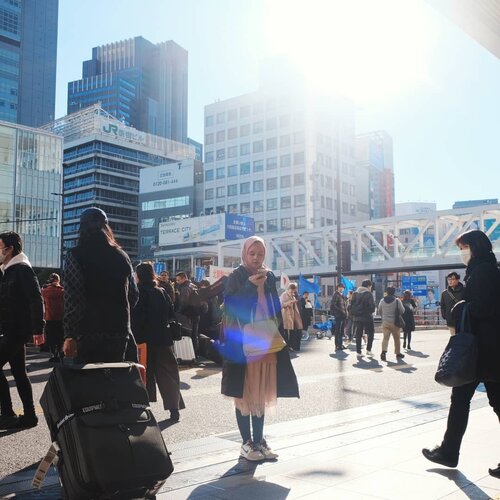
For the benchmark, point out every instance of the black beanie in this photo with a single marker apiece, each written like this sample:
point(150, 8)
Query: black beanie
point(93, 217)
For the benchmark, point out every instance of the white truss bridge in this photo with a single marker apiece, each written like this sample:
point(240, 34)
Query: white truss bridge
point(402, 243)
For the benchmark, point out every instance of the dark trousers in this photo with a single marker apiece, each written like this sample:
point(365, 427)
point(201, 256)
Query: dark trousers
point(244, 427)
point(458, 416)
point(195, 322)
point(14, 352)
point(338, 331)
point(407, 338)
point(54, 336)
point(361, 327)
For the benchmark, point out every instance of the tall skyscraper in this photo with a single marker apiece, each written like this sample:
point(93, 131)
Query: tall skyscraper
point(142, 84)
point(28, 51)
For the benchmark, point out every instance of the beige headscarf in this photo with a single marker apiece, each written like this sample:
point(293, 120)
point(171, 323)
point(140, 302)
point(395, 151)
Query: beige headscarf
point(246, 248)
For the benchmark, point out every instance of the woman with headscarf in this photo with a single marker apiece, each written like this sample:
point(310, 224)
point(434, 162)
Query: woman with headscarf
point(253, 382)
point(482, 296)
point(292, 322)
point(99, 292)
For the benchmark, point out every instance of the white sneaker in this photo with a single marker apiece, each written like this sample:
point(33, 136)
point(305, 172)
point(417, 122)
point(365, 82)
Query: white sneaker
point(369, 353)
point(251, 452)
point(264, 448)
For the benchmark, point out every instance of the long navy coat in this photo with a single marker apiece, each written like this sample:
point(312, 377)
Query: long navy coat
point(240, 301)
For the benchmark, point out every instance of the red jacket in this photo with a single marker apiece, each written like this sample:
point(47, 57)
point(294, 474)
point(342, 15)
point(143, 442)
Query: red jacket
point(53, 297)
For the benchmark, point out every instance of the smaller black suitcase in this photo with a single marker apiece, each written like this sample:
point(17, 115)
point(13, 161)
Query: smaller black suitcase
point(110, 444)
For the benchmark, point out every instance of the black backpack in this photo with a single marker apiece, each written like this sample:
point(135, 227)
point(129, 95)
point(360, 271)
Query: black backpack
point(195, 306)
point(357, 304)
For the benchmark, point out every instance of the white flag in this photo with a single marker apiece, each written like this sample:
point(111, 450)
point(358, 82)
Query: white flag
point(284, 281)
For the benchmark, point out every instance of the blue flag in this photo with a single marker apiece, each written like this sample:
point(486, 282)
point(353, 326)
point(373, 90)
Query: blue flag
point(349, 285)
point(308, 286)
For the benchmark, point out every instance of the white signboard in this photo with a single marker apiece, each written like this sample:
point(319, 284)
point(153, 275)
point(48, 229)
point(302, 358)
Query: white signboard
point(194, 230)
point(217, 272)
point(165, 177)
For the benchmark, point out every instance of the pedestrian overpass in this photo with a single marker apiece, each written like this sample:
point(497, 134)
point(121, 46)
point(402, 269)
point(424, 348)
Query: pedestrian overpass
point(396, 244)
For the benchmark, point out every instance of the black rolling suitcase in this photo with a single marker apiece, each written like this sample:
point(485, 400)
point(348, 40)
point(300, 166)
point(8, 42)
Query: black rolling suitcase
point(107, 440)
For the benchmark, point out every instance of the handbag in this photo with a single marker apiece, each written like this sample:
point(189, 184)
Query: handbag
point(458, 363)
point(399, 320)
point(175, 329)
point(262, 337)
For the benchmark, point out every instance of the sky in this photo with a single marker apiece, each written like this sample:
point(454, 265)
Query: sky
point(409, 71)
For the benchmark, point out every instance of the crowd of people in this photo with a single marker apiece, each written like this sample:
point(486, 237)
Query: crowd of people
point(106, 307)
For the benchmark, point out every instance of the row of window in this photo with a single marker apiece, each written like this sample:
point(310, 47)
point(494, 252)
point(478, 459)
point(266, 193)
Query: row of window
point(244, 149)
point(255, 128)
point(243, 112)
point(180, 201)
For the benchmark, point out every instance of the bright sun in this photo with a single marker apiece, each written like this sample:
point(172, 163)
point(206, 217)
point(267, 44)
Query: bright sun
point(365, 49)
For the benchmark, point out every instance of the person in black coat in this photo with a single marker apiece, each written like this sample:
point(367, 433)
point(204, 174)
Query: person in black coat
point(408, 317)
point(482, 294)
point(451, 296)
point(150, 318)
point(254, 383)
point(21, 317)
point(99, 291)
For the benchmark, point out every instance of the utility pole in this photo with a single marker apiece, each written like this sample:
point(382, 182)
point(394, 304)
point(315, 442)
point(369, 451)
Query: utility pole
point(338, 207)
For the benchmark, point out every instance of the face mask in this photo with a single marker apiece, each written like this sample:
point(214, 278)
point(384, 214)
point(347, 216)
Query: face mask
point(465, 255)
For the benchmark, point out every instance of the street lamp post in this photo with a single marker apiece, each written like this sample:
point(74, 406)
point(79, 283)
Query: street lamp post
point(338, 208)
point(61, 249)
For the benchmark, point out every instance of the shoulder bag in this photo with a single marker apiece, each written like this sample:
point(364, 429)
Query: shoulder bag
point(399, 320)
point(458, 363)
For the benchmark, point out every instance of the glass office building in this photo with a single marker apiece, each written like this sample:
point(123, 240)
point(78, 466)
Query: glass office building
point(30, 188)
point(28, 51)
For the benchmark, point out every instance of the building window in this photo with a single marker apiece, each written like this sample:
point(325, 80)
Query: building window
point(345, 208)
point(232, 189)
point(209, 139)
point(286, 224)
point(148, 223)
point(284, 120)
point(180, 201)
point(220, 209)
point(329, 182)
point(209, 194)
point(245, 207)
point(221, 154)
point(352, 190)
point(209, 156)
point(221, 135)
point(220, 172)
point(147, 241)
point(299, 200)
point(271, 143)
point(285, 141)
point(271, 163)
point(245, 168)
point(258, 186)
point(285, 160)
point(345, 188)
point(272, 204)
point(209, 175)
point(232, 208)
point(244, 188)
point(298, 137)
point(285, 181)
point(259, 227)
point(258, 165)
point(232, 115)
point(329, 203)
point(244, 130)
point(244, 149)
point(258, 146)
point(232, 152)
point(209, 120)
point(232, 133)
point(272, 183)
point(258, 127)
point(221, 118)
point(298, 158)
point(245, 111)
point(286, 202)
point(270, 123)
point(272, 225)
point(258, 206)
point(299, 179)
point(220, 192)
point(300, 222)
point(232, 170)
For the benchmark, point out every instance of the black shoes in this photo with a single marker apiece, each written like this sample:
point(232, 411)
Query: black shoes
point(7, 421)
point(437, 456)
point(382, 356)
point(400, 356)
point(495, 472)
point(174, 415)
point(15, 422)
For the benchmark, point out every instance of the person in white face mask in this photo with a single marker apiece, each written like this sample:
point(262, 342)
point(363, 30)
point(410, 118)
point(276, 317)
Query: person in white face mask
point(482, 294)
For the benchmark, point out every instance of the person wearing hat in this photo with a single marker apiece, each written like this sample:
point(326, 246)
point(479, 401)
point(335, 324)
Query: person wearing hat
point(100, 290)
point(53, 299)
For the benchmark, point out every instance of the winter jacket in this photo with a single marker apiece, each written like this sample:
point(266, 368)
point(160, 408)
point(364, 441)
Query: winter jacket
point(409, 315)
point(290, 312)
point(99, 292)
point(338, 306)
point(21, 304)
point(168, 288)
point(306, 313)
point(151, 315)
point(482, 293)
point(389, 307)
point(240, 301)
point(53, 299)
point(362, 305)
point(448, 300)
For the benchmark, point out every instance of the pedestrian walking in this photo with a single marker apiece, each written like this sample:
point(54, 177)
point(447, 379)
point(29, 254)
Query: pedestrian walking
point(21, 317)
point(482, 294)
point(391, 309)
point(453, 294)
point(150, 318)
point(362, 308)
point(254, 382)
point(164, 282)
point(53, 299)
point(348, 328)
point(338, 308)
point(292, 321)
point(99, 291)
point(408, 318)
point(306, 313)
